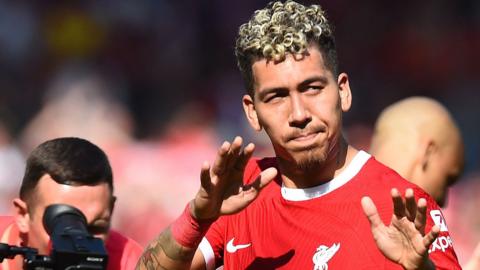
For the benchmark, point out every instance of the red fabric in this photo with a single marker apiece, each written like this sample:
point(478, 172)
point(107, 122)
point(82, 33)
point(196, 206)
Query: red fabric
point(123, 253)
point(275, 233)
point(188, 231)
point(8, 235)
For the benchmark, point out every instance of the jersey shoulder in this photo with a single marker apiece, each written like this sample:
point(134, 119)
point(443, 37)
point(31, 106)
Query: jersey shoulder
point(382, 176)
point(123, 252)
point(256, 165)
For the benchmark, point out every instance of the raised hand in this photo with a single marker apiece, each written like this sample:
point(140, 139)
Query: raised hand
point(222, 191)
point(403, 241)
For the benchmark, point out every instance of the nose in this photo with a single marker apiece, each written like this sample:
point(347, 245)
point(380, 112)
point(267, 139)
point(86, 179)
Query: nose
point(299, 114)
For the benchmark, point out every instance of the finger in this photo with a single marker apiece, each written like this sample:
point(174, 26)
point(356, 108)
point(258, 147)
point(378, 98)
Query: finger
point(236, 146)
point(233, 153)
point(370, 210)
point(221, 160)
point(262, 180)
point(205, 179)
point(431, 236)
point(244, 157)
point(245, 197)
point(398, 205)
point(410, 204)
point(421, 216)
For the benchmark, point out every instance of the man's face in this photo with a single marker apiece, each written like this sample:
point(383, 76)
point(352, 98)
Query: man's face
point(95, 202)
point(443, 170)
point(299, 104)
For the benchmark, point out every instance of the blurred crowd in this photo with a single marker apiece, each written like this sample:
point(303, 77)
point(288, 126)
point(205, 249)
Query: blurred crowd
point(155, 84)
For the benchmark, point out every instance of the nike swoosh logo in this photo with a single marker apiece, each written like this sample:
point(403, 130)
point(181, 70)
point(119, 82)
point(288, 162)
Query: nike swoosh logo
point(231, 248)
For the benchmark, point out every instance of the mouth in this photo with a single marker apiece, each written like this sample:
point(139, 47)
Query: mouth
point(305, 140)
point(304, 137)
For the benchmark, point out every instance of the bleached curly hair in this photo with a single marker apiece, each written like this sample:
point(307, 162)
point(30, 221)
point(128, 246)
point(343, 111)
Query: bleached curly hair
point(281, 29)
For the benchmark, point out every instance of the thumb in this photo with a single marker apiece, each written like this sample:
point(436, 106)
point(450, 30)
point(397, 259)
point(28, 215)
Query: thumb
point(262, 180)
point(267, 176)
point(370, 211)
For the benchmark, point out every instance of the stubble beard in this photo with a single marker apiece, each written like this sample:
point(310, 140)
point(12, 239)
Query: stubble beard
point(315, 159)
point(312, 160)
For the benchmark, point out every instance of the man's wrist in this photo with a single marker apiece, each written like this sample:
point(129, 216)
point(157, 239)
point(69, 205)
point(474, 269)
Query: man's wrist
point(187, 230)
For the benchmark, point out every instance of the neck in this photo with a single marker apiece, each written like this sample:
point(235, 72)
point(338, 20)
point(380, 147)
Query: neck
point(338, 158)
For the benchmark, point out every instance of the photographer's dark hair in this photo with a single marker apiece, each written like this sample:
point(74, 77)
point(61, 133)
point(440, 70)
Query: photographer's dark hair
point(70, 161)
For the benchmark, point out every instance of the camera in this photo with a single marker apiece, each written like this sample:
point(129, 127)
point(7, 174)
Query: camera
point(72, 246)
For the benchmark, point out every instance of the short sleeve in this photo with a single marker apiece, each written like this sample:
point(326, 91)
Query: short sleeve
point(214, 242)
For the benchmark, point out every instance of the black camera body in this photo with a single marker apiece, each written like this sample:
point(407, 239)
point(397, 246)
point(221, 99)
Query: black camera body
point(72, 246)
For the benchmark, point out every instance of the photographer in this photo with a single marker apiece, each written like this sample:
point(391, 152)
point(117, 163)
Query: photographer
point(69, 171)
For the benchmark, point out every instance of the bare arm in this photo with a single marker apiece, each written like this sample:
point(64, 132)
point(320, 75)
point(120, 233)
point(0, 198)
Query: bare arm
point(222, 192)
point(165, 253)
point(404, 241)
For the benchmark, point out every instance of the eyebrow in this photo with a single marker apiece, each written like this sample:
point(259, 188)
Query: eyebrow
point(263, 92)
point(321, 79)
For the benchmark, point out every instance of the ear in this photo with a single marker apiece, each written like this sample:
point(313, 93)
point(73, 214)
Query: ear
point(344, 91)
point(251, 113)
point(22, 217)
point(428, 149)
point(113, 200)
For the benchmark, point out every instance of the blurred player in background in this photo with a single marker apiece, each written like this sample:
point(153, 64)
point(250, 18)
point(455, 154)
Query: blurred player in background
point(418, 138)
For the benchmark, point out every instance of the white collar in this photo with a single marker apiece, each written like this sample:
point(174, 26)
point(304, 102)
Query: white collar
point(303, 194)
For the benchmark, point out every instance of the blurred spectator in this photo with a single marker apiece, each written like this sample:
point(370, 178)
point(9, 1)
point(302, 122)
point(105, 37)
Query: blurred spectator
point(418, 138)
point(12, 164)
point(18, 27)
point(464, 220)
point(80, 102)
point(153, 177)
point(159, 176)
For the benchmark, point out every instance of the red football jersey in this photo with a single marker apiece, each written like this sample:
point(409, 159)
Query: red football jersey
point(317, 228)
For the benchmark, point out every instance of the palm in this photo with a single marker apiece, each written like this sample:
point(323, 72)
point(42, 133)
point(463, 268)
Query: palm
point(400, 242)
point(404, 240)
point(222, 191)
